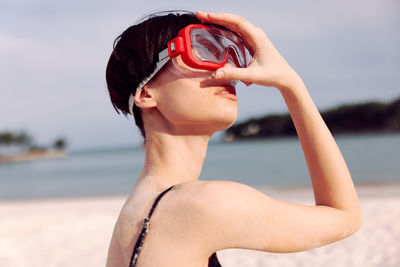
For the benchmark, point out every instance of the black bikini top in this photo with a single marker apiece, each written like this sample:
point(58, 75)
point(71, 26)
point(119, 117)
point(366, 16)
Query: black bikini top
point(212, 260)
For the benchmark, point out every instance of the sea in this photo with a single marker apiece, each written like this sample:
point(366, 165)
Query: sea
point(273, 163)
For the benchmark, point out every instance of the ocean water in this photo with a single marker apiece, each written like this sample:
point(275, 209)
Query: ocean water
point(272, 163)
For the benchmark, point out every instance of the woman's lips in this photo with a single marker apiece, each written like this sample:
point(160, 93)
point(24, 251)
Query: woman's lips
point(228, 91)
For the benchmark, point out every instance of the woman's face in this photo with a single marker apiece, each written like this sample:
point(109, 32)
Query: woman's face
point(192, 97)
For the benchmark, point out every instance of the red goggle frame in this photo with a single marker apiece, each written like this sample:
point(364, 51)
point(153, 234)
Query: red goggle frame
point(226, 42)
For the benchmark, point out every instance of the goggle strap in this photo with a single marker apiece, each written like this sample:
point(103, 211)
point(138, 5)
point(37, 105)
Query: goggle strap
point(163, 59)
point(163, 54)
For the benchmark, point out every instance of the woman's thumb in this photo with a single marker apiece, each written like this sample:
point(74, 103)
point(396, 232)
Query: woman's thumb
point(229, 74)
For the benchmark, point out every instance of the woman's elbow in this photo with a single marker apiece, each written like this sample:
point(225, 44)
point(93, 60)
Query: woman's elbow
point(355, 220)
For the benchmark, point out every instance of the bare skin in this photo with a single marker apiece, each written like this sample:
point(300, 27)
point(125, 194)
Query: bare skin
point(197, 218)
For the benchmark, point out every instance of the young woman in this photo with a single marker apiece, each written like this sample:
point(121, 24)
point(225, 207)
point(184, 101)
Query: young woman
point(178, 86)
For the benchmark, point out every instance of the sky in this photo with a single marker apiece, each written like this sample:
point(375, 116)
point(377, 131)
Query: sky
point(53, 56)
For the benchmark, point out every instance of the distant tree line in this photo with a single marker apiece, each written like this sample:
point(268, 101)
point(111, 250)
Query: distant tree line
point(25, 142)
point(372, 117)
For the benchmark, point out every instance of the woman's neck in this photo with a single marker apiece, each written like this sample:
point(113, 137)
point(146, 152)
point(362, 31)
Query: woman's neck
point(173, 159)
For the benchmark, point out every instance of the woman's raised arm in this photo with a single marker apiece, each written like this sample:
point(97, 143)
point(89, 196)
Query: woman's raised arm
point(337, 212)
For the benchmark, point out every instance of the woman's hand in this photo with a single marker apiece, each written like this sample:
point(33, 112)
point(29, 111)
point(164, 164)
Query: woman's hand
point(268, 67)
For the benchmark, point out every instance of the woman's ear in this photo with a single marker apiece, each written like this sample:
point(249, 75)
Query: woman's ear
point(145, 98)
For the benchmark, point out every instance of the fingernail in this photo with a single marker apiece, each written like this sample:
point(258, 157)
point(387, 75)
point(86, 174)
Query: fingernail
point(219, 74)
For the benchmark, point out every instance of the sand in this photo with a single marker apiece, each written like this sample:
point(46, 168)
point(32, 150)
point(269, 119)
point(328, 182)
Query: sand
point(76, 232)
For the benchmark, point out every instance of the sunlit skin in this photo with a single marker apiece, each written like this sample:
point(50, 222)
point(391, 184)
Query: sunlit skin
point(197, 218)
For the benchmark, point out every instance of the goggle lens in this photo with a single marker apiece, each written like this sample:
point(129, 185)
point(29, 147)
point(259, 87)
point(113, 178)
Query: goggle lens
point(216, 45)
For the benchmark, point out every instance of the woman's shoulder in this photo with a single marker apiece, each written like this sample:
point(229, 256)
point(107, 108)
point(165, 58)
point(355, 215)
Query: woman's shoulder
point(224, 214)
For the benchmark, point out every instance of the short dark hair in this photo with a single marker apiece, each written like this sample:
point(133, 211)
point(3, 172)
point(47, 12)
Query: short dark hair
point(135, 55)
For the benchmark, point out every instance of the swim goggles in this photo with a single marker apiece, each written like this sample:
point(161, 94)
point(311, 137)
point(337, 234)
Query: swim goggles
point(202, 47)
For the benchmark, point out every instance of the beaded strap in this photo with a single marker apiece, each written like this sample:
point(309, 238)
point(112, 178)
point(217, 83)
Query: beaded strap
point(145, 229)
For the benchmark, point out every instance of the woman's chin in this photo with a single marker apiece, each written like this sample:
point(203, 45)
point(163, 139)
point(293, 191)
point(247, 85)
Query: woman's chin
point(225, 122)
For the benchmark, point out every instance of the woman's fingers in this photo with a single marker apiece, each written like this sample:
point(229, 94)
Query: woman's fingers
point(233, 22)
point(236, 23)
point(235, 74)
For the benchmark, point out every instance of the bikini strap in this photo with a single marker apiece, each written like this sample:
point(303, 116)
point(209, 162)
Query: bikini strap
point(156, 201)
point(145, 228)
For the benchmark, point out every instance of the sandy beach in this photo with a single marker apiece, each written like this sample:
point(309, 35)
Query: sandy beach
point(76, 232)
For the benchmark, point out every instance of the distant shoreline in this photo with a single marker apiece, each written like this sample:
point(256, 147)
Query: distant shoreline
point(33, 155)
point(371, 117)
